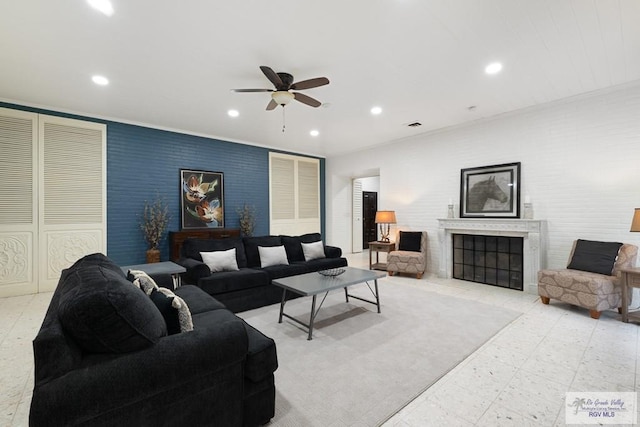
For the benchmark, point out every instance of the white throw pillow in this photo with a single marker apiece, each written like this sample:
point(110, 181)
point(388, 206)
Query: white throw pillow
point(143, 281)
point(220, 260)
point(313, 250)
point(272, 255)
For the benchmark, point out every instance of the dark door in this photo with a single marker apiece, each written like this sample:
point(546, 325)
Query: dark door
point(369, 209)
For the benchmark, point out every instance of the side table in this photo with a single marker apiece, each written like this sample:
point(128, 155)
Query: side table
point(166, 267)
point(630, 278)
point(378, 247)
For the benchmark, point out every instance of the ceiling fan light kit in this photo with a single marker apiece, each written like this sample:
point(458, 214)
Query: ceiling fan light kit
point(282, 97)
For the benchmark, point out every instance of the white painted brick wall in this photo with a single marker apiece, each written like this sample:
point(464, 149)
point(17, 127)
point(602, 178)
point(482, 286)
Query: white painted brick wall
point(580, 166)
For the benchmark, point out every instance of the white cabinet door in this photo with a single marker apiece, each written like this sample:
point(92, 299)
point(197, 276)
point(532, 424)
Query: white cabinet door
point(52, 197)
point(18, 202)
point(72, 196)
point(294, 194)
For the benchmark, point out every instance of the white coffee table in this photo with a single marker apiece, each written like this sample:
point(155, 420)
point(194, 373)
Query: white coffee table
point(312, 284)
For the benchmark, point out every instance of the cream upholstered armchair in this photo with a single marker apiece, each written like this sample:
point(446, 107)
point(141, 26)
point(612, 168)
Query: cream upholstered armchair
point(411, 254)
point(592, 277)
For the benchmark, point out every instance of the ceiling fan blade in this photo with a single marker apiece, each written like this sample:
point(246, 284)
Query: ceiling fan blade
point(271, 75)
point(271, 105)
point(306, 99)
point(252, 90)
point(311, 83)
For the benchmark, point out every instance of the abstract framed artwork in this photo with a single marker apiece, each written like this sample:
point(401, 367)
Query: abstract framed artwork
point(490, 191)
point(201, 199)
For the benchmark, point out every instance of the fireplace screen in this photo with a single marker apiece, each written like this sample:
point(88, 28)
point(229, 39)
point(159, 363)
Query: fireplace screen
point(494, 260)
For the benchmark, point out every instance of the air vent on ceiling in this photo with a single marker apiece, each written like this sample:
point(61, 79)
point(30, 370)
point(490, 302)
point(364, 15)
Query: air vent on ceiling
point(414, 124)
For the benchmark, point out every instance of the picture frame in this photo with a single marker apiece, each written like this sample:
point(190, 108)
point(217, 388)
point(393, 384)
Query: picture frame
point(490, 191)
point(201, 199)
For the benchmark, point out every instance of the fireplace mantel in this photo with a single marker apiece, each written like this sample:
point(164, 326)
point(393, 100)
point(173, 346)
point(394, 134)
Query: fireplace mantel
point(532, 231)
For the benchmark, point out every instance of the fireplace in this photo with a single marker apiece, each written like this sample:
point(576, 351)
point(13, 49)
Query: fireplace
point(507, 241)
point(492, 260)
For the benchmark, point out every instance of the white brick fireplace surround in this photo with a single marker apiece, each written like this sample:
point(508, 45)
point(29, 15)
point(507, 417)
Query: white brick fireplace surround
point(533, 233)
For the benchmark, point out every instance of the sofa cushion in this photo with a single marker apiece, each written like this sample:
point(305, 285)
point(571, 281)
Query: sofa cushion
point(92, 260)
point(313, 250)
point(410, 241)
point(220, 260)
point(104, 313)
point(197, 300)
point(323, 264)
point(191, 248)
point(272, 255)
point(213, 319)
point(174, 310)
point(293, 246)
point(229, 281)
point(280, 271)
point(596, 257)
point(251, 248)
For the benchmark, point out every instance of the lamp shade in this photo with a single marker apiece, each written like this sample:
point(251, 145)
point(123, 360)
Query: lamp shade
point(385, 217)
point(635, 222)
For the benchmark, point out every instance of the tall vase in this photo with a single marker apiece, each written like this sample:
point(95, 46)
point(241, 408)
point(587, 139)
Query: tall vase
point(153, 255)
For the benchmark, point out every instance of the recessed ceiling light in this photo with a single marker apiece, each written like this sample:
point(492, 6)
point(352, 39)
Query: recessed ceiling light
point(493, 68)
point(100, 80)
point(233, 113)
point(103, 6)
point(376, 110)
point(314, 133)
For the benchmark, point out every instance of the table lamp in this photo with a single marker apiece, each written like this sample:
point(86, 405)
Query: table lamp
point(635, 222)
point(384, 218)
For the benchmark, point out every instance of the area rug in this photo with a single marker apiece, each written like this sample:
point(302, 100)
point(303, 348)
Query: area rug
point(362, 367)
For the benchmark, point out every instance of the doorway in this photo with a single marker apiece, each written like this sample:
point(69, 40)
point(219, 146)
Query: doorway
point(369, 209)
point(360, 186)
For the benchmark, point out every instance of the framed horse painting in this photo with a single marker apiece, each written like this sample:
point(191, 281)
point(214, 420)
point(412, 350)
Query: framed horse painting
point(490, 191)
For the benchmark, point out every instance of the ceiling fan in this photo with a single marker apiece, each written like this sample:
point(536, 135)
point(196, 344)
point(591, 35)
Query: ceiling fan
point(284, 86)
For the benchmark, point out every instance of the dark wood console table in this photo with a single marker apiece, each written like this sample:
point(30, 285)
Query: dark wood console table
point(177, 237)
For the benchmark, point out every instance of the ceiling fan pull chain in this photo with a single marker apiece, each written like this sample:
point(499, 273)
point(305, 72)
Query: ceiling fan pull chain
point(283, 119)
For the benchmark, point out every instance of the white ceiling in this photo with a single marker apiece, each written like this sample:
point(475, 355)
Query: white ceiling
point(172, 63)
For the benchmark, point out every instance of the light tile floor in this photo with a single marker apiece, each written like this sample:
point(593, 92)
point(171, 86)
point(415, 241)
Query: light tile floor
point(517, 378)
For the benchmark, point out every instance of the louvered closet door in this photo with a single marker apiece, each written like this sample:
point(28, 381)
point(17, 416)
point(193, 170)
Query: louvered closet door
point(308, 180)
point(356, 216)
point(294, 194)
point(18, 202)
point(72, 197)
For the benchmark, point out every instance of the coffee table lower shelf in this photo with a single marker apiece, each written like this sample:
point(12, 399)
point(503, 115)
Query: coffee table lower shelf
point(313, 284)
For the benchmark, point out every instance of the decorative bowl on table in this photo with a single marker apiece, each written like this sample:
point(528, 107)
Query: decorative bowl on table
point(332, 272)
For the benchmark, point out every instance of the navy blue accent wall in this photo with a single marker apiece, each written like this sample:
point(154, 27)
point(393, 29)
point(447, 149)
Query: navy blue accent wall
point(144, 162)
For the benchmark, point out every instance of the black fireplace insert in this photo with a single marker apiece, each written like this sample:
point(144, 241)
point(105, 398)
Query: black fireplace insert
point(493, 260)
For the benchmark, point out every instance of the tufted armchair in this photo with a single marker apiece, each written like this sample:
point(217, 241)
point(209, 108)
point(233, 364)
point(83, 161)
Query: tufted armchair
point(596, 291)
point(411, 256)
